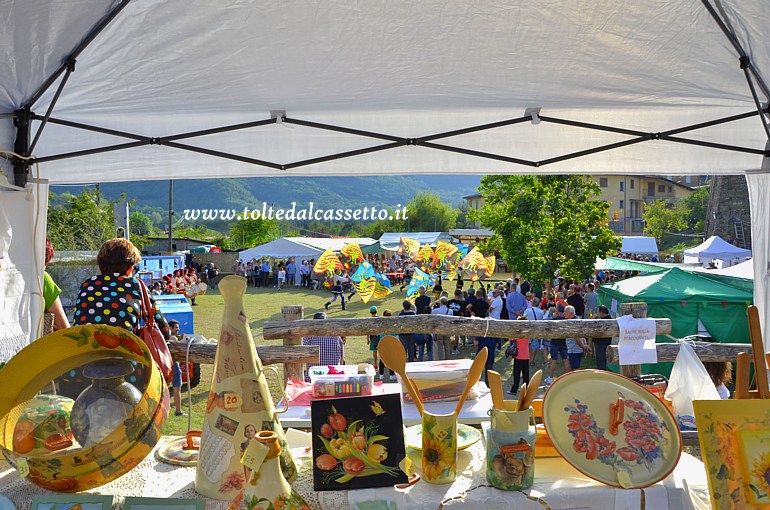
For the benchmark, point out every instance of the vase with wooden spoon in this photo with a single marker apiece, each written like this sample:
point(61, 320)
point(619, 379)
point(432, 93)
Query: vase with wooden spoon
point(511, 448)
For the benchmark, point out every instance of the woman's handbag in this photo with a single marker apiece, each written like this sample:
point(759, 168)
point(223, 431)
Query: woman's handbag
point(151, 335)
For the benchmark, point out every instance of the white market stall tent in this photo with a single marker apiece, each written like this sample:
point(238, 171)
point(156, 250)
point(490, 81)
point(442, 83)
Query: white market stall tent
point(639, 245)
point(303, 248)
point(392, 240)
point(716, 249)
point(112, 90)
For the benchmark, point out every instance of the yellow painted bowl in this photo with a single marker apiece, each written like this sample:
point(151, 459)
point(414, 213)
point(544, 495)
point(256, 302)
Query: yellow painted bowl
point(77, 469)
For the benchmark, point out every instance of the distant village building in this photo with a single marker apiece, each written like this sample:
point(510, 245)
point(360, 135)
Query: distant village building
point(471, 236)
point(627, 196)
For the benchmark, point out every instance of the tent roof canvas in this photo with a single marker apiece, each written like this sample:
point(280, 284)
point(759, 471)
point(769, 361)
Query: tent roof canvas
point(335, 244)
point(279, 248)
point(717, 248)
point(639, 245)
point(149, 79)
point(675, 285)
point(392, 240)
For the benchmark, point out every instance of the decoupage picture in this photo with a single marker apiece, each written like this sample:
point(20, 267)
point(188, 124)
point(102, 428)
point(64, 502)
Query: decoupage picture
point(755, 453)
point(72, 502)
point(733, 437)
point(163, 504)
point(358, 442)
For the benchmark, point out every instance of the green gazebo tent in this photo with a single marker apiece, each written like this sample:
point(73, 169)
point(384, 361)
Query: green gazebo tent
point(685, 298)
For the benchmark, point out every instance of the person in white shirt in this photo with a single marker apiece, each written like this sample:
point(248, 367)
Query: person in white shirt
point(442, 346)
point(495, 304)
point(535, 313)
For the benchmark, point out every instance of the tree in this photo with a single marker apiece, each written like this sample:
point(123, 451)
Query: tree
point(251, 232)
point(694, 208)
point(546, 223)
point(661, 217)
point(140, 224)
point(80, 222)
point(427, 213)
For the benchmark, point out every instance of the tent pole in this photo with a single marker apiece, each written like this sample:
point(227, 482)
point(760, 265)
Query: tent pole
point(77, 51)
point(70, 63)
point(23, 123)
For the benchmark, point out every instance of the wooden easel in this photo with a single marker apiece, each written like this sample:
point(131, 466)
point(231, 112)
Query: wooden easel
point(743, 365)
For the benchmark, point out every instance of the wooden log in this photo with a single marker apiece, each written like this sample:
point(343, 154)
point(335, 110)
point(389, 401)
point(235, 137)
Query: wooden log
point(444, 325)
point(293, 370)
point(706, 351)
point(269, 354)
point(639, 311)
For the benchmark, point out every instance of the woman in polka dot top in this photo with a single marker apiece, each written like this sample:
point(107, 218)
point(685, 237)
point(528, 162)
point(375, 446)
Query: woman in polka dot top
point(114, 297)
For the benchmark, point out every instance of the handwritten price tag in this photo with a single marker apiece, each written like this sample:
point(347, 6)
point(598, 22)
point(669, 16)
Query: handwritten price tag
point(254, 455)
point(232, 400)
point(22, 467)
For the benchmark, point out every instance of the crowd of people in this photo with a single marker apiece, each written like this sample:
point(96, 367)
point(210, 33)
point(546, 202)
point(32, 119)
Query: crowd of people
point(514, 299)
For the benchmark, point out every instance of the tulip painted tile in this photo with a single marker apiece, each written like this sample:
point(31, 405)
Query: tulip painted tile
point(358, 442)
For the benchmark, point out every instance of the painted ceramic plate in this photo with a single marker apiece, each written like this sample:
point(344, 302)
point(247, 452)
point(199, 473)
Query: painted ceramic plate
point(577, 416)
point(466, 436)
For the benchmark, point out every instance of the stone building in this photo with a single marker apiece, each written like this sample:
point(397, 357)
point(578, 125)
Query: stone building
point(728, 214)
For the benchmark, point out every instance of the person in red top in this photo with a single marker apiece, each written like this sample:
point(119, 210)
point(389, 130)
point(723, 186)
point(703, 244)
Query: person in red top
point(520, 362)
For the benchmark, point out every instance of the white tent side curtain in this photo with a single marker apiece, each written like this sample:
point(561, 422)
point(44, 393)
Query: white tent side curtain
point(759, 198)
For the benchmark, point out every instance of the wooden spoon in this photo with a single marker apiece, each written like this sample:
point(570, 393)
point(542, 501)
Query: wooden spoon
point(473, 376)
point(532, 387)
point(496, 388)
point(522, 396)
point(393, 355)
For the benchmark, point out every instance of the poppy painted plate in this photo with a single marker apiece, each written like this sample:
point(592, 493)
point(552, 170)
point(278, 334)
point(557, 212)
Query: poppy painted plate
point(634, 445)
point(466, 436)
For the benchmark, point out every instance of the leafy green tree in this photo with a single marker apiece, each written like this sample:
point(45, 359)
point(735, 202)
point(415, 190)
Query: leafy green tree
point(80, 222)
point(693, 207)
point(427, 213)
point(662, 217)
point(546, 223)
point(252, 232)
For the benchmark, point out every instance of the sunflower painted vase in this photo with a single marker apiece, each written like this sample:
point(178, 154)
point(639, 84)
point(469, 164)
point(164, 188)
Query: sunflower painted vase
point(439, 447)
point(511, 449)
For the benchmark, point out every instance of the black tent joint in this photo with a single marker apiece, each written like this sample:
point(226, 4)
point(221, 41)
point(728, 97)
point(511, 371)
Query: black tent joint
point(745, 62)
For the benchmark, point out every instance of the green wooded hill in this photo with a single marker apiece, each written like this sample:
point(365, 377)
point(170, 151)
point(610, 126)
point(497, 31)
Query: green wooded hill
point(281, 191)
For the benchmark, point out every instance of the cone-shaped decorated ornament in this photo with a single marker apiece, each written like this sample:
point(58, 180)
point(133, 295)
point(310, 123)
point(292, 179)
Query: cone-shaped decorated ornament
point(239, 404)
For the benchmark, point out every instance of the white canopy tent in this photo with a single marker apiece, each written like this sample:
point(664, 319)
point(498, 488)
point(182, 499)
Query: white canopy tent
point(716, 248)
point(639, 245)
point(282, 248)
point(392, 240)
point(300, 247)
point(159, 89)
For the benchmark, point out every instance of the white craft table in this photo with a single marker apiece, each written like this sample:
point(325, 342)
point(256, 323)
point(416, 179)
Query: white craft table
point(473, 411)
point(557, 485)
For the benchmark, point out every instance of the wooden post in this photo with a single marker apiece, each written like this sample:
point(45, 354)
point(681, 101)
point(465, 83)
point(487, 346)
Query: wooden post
point(639, 311)
point(292, 313)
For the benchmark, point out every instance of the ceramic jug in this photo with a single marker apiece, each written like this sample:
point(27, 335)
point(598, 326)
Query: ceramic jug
point(239, 404)
point(267, 486)
point(511, 449)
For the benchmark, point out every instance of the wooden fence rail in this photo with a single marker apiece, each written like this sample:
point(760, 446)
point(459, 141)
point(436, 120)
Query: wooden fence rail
point(444, 325)
point(706, 351)
point(269, 354)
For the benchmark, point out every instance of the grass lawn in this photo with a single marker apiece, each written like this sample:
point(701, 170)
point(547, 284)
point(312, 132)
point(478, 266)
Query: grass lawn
point(262, 305)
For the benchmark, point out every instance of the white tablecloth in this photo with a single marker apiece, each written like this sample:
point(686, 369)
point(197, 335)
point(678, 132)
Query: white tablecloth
point(557, 486)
